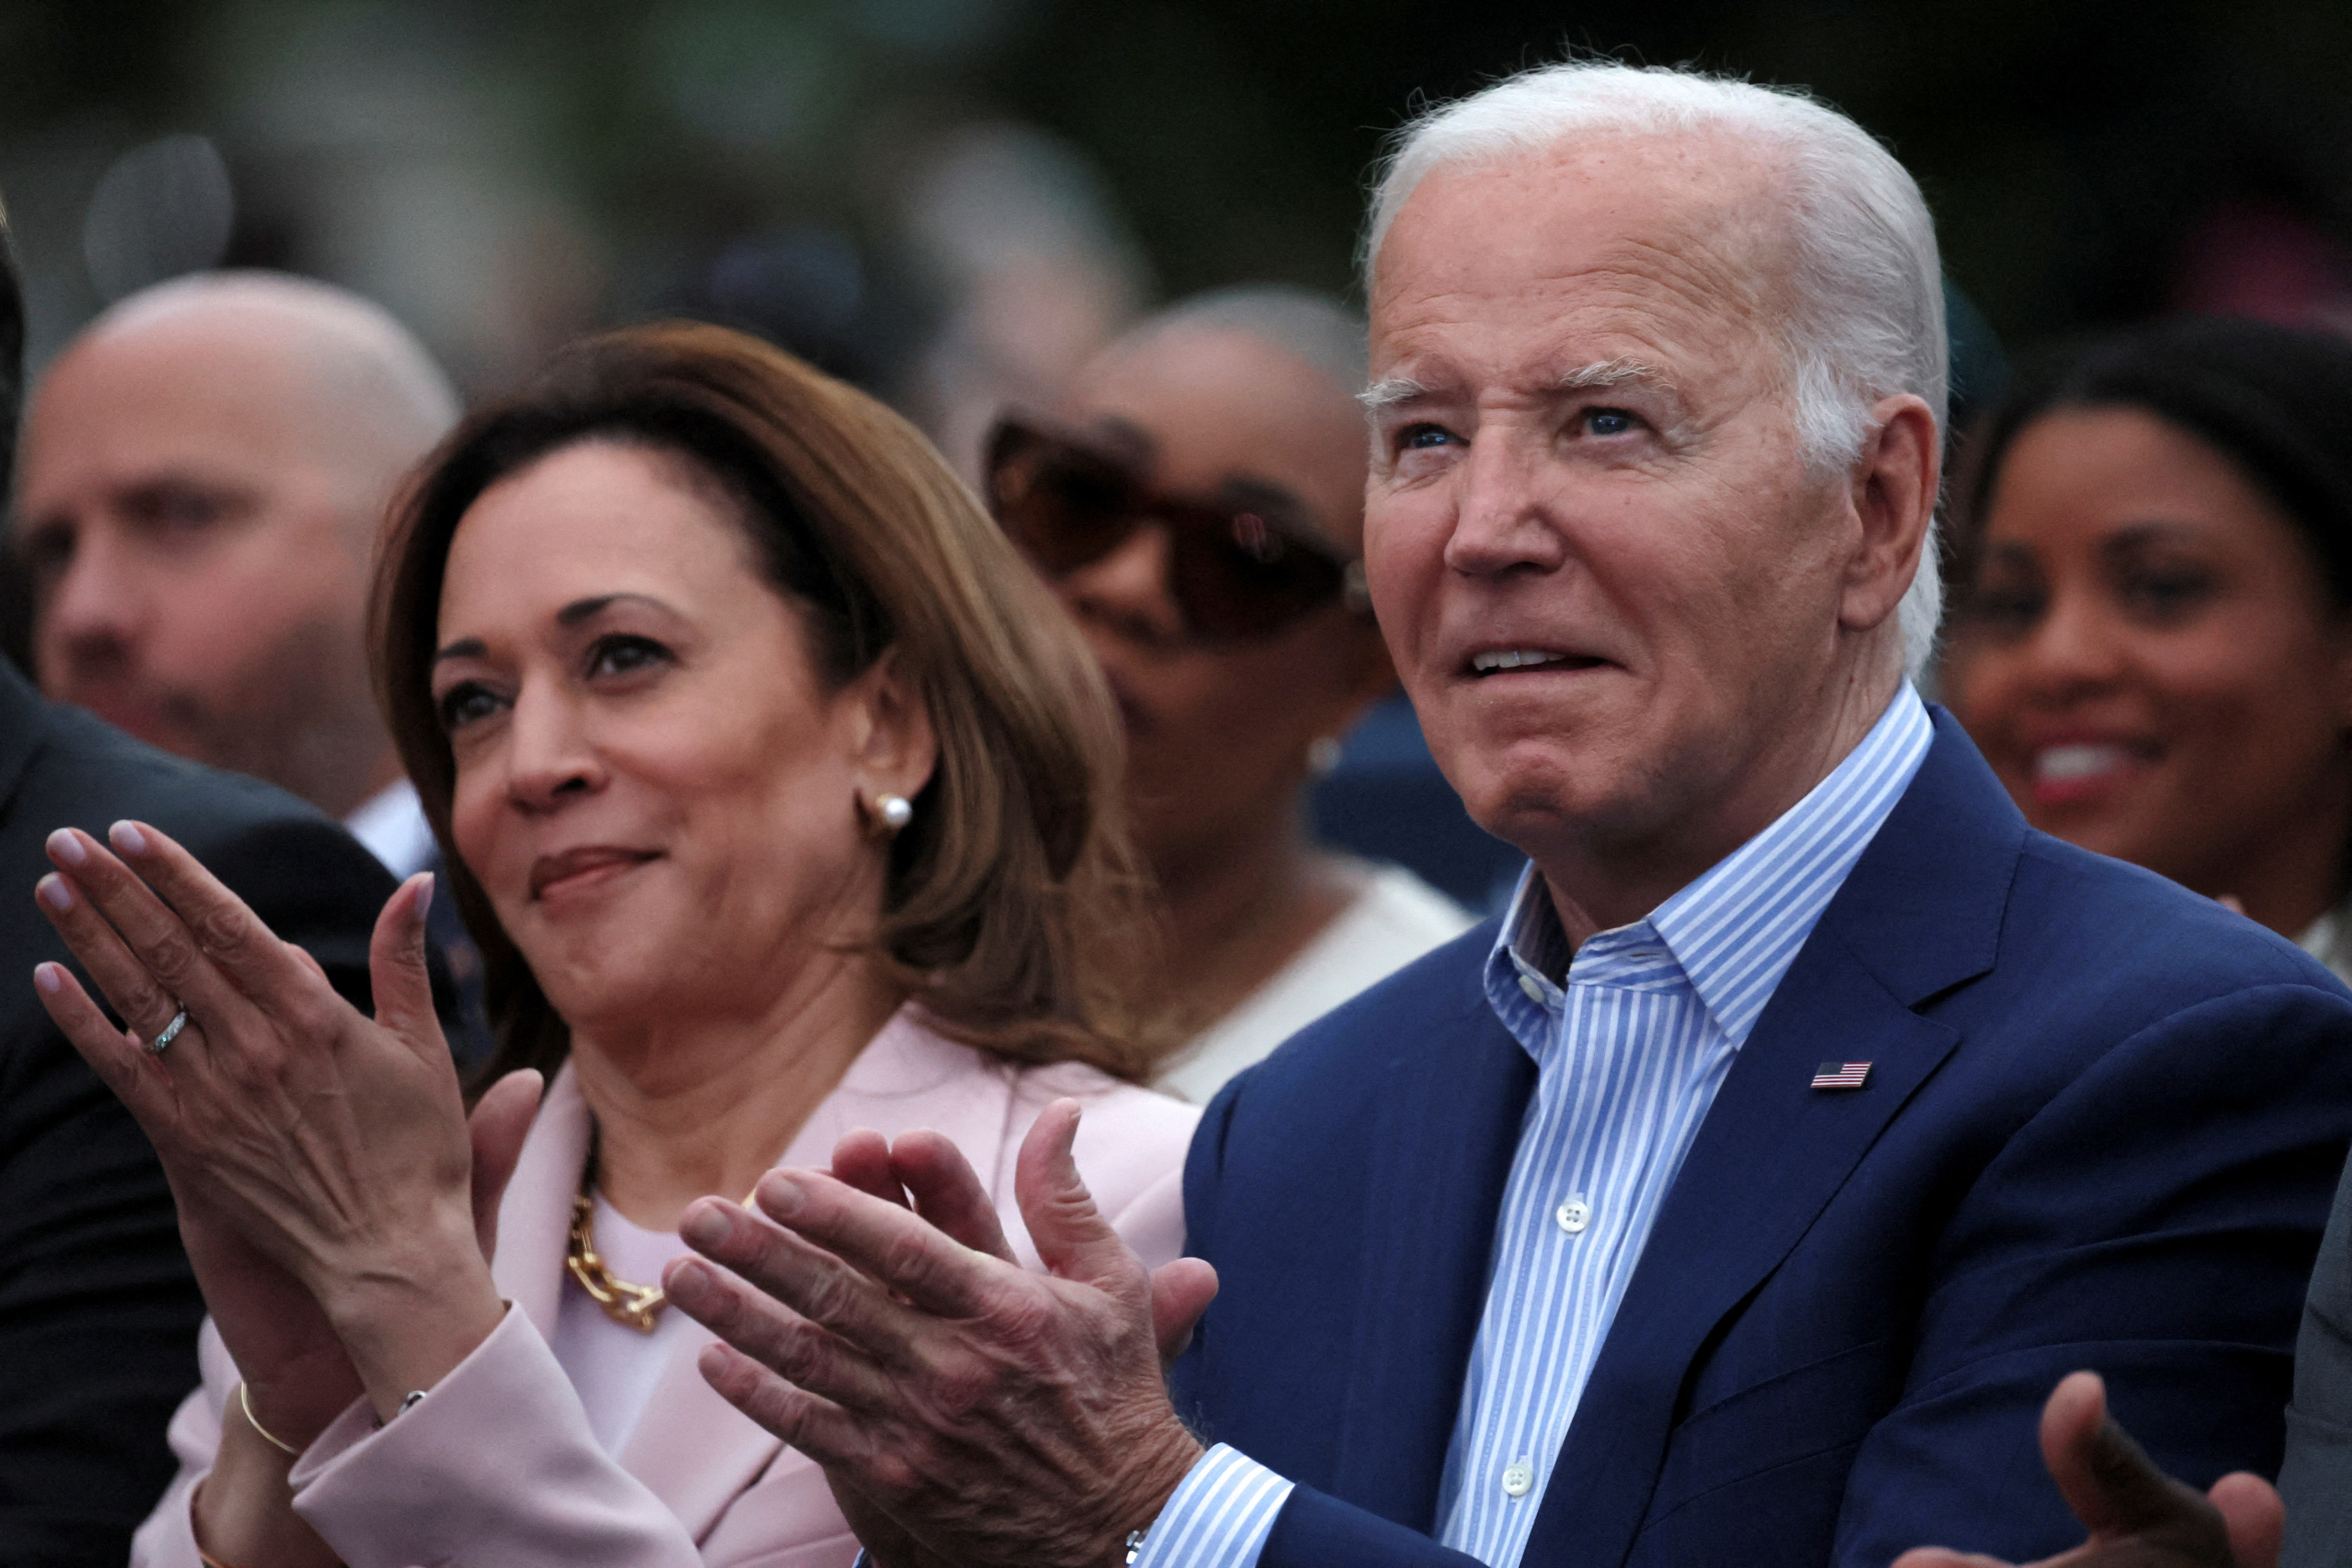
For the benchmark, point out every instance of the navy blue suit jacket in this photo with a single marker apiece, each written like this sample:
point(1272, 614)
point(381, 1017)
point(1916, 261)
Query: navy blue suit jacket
point(2101, 1129)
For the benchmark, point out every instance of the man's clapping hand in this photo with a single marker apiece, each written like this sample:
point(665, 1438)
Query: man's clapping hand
point(964, 1408)
point(2138, 1517)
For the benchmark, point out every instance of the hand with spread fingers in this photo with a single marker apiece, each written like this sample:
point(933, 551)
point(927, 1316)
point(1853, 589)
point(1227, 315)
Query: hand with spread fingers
point(2138, 1517)
point(989, 1415)
point(335, 1204)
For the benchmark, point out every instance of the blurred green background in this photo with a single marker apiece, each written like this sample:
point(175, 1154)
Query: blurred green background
point(950, 200)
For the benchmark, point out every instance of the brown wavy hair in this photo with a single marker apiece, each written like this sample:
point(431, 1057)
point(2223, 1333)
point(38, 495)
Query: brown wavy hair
point(1012, 911)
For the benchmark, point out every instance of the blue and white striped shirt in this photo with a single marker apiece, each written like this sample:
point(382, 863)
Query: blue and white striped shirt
point(1632, 1038)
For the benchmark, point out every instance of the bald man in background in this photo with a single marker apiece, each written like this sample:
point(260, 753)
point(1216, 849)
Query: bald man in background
point(98, 1310)
point(204, 472)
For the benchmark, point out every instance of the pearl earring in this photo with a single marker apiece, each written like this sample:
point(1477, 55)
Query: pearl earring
point(895, 810)
point(1323, 756)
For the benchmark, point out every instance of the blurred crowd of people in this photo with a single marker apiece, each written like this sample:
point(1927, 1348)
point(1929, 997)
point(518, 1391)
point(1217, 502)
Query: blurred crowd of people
point(476, 847)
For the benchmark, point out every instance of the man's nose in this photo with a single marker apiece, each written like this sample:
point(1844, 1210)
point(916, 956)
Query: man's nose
point(93, 609)
point(1501, 521)
point(1130, 590)
point(551, 759)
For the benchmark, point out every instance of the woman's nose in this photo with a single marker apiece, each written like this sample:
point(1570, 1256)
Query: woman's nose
point(549, 759)
point(2076, 647)
point(1129, 591)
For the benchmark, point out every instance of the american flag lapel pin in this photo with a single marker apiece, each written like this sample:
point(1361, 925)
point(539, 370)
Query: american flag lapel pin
point(1841, 1075)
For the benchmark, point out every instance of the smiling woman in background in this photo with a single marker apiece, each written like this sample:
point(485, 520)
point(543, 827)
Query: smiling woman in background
point(2153, 643)
point(776, 794)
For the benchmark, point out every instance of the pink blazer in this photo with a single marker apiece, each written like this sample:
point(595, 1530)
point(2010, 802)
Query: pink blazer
point(497, 1466)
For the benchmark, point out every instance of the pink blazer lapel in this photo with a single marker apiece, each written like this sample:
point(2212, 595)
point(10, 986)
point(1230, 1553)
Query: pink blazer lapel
point(697, 1453)
point(535, 1215)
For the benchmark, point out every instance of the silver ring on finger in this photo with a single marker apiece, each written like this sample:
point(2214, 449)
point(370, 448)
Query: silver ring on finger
point(163, 1042)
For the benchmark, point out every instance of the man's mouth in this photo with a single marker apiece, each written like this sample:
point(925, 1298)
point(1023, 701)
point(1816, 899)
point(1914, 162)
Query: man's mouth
point(1494, 660)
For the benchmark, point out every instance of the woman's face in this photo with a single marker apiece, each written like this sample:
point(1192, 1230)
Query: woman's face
point(2150, 661)
point(653, 785)
point(1218, 733)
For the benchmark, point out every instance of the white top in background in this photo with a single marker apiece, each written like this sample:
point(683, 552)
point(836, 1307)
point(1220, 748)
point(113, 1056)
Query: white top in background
point(1394, 920)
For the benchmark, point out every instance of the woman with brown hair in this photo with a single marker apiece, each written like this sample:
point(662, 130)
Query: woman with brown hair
point(775, 792)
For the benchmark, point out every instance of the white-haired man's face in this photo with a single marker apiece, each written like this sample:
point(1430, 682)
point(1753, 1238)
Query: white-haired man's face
point(1634, 624)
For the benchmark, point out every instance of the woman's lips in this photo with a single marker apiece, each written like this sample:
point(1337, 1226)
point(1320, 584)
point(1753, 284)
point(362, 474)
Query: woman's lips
point(2077, 772)
point(576, 871)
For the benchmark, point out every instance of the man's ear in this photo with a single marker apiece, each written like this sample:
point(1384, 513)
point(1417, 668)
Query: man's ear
point(893, 745)
point(1895, 484)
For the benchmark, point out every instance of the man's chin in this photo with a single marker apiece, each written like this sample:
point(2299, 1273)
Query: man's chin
point(140, 719)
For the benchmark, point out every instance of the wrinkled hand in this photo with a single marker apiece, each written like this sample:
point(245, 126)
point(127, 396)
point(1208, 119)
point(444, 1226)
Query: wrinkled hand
point(313, 1151)
point(2138, 1517)
point(989, 1415)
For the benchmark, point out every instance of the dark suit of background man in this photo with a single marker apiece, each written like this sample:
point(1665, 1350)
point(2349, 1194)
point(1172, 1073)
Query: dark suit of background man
point(1738, 1200)
point(98, 1308)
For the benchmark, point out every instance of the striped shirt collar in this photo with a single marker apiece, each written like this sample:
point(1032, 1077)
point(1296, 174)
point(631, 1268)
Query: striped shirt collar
point(1732, 933)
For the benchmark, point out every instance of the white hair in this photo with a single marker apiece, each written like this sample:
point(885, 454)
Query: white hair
point(1867, 316)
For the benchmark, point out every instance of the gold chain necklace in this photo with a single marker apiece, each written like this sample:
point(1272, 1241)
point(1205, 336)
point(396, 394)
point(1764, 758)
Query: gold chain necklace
point(635, 1307)
point(630, 1306)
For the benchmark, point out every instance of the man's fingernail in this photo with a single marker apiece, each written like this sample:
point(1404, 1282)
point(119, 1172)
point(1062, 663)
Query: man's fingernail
point(49, 978)
point(55, 893)
point(781, 1196)
point(66, 847)
point(685, 1279)
point(126, 836)
point(424, 894)
point(704, 1227)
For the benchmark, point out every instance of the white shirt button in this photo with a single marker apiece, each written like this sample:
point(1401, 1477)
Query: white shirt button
point(1529, 984)
point(1518, 1477)
point(1573, 1216)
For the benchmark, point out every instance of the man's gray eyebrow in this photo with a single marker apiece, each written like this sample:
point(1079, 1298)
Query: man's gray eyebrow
point(1609, 372)
point(1394, 390)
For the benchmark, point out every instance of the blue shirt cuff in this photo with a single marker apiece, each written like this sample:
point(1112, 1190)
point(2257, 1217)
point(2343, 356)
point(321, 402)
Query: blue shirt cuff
point(1219, 1516)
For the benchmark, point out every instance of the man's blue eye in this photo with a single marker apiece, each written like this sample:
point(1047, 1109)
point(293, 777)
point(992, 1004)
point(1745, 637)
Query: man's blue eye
point(1421, 436)
point(1608, 421)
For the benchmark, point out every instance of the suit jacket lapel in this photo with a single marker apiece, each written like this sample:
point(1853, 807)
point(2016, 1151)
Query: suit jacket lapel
point(1443, 1153)
point(1920, 913)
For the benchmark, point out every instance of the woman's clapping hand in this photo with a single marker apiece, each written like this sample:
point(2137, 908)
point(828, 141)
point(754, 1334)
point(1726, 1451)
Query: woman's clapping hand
point(336, 1207)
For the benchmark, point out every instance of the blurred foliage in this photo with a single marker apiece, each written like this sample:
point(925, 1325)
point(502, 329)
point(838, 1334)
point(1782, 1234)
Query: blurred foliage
point(2069, 146)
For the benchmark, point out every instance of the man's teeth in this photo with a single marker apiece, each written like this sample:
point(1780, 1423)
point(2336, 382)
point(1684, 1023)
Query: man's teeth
point(1513, 659)
point(2063, 765)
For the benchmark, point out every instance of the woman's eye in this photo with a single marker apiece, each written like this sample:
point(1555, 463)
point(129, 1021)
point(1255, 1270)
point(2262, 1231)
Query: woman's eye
point(2163, 594)
point(621, 655)
point(1608, 422)
point(463, 704)
point(2006, 610)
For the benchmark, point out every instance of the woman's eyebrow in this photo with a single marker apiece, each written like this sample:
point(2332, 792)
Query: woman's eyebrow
point(464, 647)
point(580, 610)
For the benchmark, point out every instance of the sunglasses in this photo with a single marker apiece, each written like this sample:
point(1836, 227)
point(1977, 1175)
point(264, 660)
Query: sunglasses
point(1236, 570)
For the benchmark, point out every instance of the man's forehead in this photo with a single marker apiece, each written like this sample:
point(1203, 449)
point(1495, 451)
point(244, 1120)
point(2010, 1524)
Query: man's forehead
point(1635, 238)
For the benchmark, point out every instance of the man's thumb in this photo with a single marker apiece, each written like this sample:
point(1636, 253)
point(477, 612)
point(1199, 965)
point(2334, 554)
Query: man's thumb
point(397, 970)
point(1072, 1239)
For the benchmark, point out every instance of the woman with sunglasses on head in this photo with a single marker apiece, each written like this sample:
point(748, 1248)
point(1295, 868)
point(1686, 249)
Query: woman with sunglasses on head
point(776, 794)
point(2153, 637)
point(1197, 503)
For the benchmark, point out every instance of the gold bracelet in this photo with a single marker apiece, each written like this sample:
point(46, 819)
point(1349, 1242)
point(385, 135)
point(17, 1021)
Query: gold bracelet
point(245, 1403)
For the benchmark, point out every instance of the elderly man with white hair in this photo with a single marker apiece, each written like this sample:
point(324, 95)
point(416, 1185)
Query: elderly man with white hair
point(1741, 1196)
